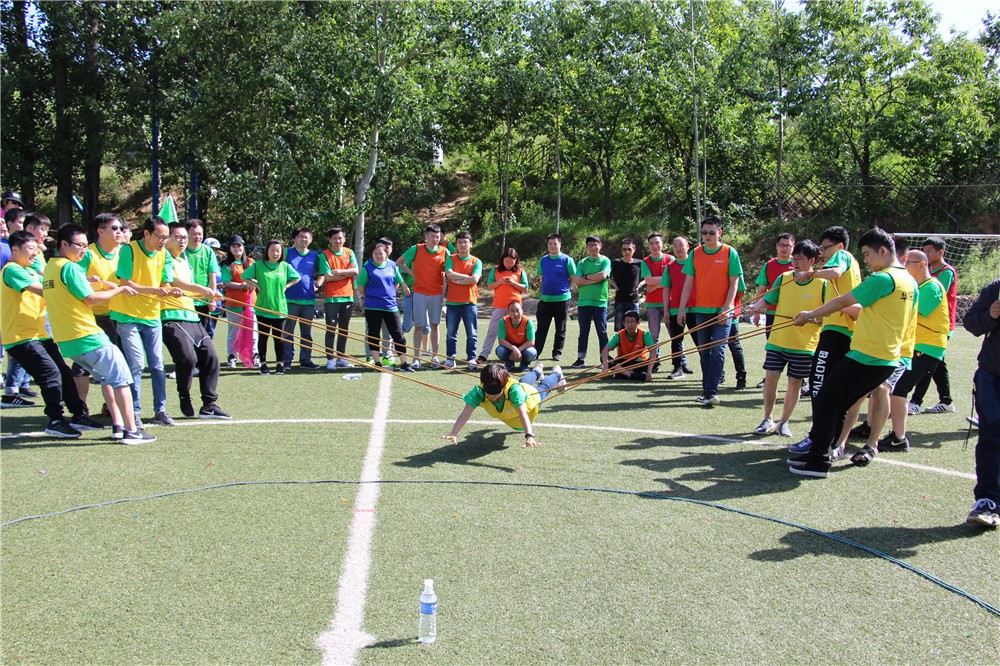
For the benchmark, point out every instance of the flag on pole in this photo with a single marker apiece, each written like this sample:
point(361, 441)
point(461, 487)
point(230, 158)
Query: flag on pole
point(168, 211)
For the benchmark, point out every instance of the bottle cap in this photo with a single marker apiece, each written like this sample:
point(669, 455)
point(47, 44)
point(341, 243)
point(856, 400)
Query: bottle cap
point(428, 582)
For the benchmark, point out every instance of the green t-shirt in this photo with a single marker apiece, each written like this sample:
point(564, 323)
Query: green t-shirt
point(87, 256)
point(178, 314)
point(19, 278)
point(272, 279)
point(843, 260)
point(518, 396)
point(877, 286)
point(762, 278)
point(362, 281)
point(323, 267)
point(203, 264)
point(76, 283)
point(647, 339)
point(735, 269)
point(929, 297)
point(594, 295)
point(529, 330)
point(126, 264)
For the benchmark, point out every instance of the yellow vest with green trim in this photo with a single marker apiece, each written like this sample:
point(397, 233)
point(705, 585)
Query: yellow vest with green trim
point(146, 271)
point(883, 327)
point(933, 329)
point(794, 298)
point(182, 271)
point(843, 285)
point(71, 318)
point(509, 413)
point(104, 269)
point(22, 313)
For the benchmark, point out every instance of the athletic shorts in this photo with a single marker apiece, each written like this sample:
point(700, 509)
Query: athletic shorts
point(799, 365)
point(894, 377)
point(427, 309)
point(107, 365)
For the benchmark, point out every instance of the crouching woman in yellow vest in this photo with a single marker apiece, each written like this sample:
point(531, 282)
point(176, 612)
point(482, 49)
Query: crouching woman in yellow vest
point(514, 403)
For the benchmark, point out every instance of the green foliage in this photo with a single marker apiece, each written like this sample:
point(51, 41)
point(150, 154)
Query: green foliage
point(978, 269)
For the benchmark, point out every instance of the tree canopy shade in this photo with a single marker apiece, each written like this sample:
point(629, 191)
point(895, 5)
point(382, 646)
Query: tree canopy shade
point(295, 113)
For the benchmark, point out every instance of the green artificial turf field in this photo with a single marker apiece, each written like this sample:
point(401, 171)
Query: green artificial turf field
point(528, 565)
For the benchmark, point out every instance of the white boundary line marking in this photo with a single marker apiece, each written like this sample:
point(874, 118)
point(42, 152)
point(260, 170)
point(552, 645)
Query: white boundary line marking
point(562, 426)
point(346, 636)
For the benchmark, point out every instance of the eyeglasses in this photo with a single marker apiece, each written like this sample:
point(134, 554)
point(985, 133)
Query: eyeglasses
point(79, 246)
point(709, 233)
point(786, 246)
point(179, 237)
point(162, 239)
point(824, 248)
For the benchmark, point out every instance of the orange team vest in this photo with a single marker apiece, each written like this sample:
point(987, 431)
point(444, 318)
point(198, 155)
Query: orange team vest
point(516, 335)
point(506, 294)
point(236, 273)
point(631, 350)
point(711, 277)
point(462, 293)
point(428, 269)
point(339, 288)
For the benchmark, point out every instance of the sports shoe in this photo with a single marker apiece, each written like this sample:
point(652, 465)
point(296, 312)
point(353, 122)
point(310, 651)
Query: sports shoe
point(676, 374)
point(701, 399)
point(331, 364)
point(231, 361)
point(436, 362)
point(29, 392)
point(766, 427)
point(59, 428)
point(784, 430)
point(172, 375)
point(861, 431)
point(369, 359)
point(449, 364)
point(14, 400)
point(687, 370)
point(741, 383)
point(341, 363)
point(473, 366)
point(838, 454)
point(482, 360)
point(984, 512)
point(760, 384)
point(540, 369)
point(557, 357)
point(712, 400)
point(939, 408)
point(83, 422)
point(137, 437)
point(279, 368)
point(187, 409)
point(163, 419)
point(213, 411)
point(562, 378)
point(656, 367)
point(117, 432)
point(805, 391)
point(892, 444)
point(413, 366)
point(264, 370)
point(405, 367)
point(913, 409)
point(579, 363)
point(308, 365)
point(813, 469)
point(799, 460)
point(805, 446)
point(973, 421)
point(256, 360)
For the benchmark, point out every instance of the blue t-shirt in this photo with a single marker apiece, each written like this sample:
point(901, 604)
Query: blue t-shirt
point(4, 252)
point(303, 291)
point(555, 273)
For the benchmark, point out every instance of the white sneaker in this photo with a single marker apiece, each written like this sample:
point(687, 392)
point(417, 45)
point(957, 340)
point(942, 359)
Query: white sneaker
point(435, 361)
point(342, 363)
point(416, 364)
point(540, 369)
point(913, 409)
point(784, 430)
point(473, 366)
point(766, 427)
point(940, 408)
point(449, 364)
point(331, 364)
point(232, 361)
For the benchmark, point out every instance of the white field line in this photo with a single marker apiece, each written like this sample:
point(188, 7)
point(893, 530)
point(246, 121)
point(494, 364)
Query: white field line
point(346, 637)
point(543, 426)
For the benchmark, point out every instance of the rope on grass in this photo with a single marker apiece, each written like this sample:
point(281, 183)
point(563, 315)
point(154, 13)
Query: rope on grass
point(990, 608)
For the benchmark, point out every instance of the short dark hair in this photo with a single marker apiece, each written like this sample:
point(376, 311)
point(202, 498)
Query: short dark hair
point(806, 248)
point(332, 232)
point(20, 237)
point(628, 241)
point(935, 242)
point(37, 220)
point(432, 227)
point(493, 377)
point(593, 239)
point(902, 245)
point(714, 221)
point(553, 237)
point(15, 215)
point(174, 226)
point(837, 235)
point(105, 219)
point(463, 235)
point(786, 235)
point(876, 238)
point(67, 232)
point(152, 222)
point(274, 241)
point(193, 222)
point(655, 234)
point(631, 314)
point(382, 244)
point(301, 230)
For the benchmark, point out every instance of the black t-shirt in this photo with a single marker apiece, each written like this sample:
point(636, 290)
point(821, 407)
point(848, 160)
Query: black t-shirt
point(626, 277)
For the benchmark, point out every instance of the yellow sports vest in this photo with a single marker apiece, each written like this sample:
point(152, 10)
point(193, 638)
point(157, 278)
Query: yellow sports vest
point(883, 326)
point(71, 318)
point(105, 269)
point(22, 313)
point(509, 412)
point(933, 329)
point(182, 271)
point(794, 298)
point(146, 271)
point(842, 285)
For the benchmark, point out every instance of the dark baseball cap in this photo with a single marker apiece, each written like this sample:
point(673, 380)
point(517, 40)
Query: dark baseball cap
point(236, 240)
point(12, 196)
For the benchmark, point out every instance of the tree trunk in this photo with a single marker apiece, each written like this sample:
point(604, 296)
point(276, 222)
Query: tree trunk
point(558, 173)
point(93, 119)
point(361, 191)
point(27, 138)
point(62, 155)
point(606, 175)
point(505, 210)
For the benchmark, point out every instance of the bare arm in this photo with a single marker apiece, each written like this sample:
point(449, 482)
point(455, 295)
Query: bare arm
point(460, 422)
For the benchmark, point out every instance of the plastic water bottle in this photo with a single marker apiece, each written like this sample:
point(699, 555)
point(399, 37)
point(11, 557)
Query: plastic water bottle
point(428, 613)
point(352, 377)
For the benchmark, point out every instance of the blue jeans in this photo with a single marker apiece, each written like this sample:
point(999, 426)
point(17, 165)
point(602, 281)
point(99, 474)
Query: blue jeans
point(143, 347)
point(988, 446)
point(599, 316)
point(528, 357)
point(306, 312)
point(712, 358)
point(547, 384)
point(467, 314)
point(17, 376)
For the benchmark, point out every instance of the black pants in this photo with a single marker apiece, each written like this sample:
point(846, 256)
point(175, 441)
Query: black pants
point(273, 328)
point(374, 321)
point(546, 313)
point(739, 359)
point(41, 359)
point(338, 322)
point(846, 383)
point(191, 347)
point(922, 367)
point(676, 332)
point(941, 380)
point(833, 346)
point(208, 319)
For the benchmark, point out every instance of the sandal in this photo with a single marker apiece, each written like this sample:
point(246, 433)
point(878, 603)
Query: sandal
point(864, 456)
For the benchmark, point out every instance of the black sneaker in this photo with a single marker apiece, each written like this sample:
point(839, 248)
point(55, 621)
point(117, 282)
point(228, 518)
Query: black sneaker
point(187, 409)
point(84, 422)
point(213, 411)
point(138, 437)
point(29, 392)
point(264, 370)
point(14, 400)
point(279, 369)
point(814, 469)
point(59, 428)
point(741, 383)
point(405, 367)
point(481, 360)
point(861, 431)
point(687, 370)
point(656, 367)
point(892, 444)
point(308, 365)
point(163, 419)
point(800, 460)
point(760, 384)
point(557, 356)
point(578, 363)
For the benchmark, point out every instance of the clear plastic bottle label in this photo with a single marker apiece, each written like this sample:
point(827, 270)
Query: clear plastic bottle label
point(428, 607)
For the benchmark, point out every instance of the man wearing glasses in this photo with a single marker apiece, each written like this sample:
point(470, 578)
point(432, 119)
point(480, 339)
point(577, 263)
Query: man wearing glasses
point(715, 271)
point(144, 266)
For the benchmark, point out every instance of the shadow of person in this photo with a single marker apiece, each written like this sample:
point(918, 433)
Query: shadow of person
point(475, 446)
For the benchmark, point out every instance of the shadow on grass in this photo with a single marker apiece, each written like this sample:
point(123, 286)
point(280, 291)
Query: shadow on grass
point(394, 643)
point(899, 542)
point(467, 452)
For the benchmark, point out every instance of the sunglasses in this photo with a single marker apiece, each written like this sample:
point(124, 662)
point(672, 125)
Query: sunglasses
point(114, 227)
